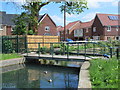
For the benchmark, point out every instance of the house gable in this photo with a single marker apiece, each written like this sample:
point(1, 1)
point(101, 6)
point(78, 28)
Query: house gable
point(47, 22)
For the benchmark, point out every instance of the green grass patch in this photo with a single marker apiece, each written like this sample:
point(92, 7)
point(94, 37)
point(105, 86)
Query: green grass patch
point(104, 73)
point(9, 56)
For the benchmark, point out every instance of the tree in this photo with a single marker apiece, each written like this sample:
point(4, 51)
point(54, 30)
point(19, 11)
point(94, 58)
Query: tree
point(32, 10)
point(20, 24)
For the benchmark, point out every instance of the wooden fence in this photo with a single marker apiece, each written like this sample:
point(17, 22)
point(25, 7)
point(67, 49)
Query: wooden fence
point(32, 39)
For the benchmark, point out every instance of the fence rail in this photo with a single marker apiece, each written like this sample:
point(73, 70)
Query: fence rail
point(52, 45)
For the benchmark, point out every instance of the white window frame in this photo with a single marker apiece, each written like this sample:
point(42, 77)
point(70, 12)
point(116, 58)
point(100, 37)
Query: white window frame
point(87, 30)
point(47, 28)
point(108, 28)
point(94, 29)
point(117, 28)
point(1, 27)
point(47, 34)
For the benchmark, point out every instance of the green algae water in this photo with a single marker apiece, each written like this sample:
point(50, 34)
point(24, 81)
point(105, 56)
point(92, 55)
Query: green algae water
point(34, 75)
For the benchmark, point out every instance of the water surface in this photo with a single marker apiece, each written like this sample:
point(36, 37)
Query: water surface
point(32, 75)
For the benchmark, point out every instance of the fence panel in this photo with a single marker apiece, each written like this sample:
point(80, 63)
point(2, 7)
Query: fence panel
point(33, 41)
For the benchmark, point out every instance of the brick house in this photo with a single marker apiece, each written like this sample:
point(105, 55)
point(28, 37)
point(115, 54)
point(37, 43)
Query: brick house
point(83, 31)
point(70, 27)
point(46, 24)
point(6, 23)
point(106, 26)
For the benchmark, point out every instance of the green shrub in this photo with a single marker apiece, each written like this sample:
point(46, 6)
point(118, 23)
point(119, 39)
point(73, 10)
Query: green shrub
point(56, 45)
point(104, 73)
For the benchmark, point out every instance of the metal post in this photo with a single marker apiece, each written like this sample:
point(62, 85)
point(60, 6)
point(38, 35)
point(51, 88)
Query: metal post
point(63, 49)
point(27, 49)
point(77, 49)
point(39, 49)
point(64, 23)
point(17, 43)
point(117, 51)
point(51, 49)
point(104, 49)
point(111, 52)
point(67, 50)
point(25, 43)
point(85, 50)
point(2, 44)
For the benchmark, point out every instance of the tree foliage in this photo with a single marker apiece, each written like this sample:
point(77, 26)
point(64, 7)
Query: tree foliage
point(20, 24)
point(32, 10)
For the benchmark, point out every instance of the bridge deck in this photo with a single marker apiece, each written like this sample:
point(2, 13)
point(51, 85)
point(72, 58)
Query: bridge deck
point(57, 57)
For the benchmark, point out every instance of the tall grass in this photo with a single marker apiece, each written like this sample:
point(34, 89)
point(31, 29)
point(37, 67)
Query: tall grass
point(9, 56)
point(104, 73)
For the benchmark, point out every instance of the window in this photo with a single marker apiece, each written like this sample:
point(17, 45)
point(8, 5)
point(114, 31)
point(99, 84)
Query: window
point(94, 29)
point(1, 27)
point(87, 30)
point(109, 28)
point(117, 38)
point(108, 38)
point(47, 28)
point(117, 28)
point(47, 34)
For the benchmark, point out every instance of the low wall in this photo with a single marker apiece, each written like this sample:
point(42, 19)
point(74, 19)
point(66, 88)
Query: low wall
point(84, 79)
point(11, 62)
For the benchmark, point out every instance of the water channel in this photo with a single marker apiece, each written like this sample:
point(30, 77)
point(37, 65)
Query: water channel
point(49, 74)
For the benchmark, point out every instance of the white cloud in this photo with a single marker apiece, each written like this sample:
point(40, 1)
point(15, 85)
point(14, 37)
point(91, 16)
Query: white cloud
point(115, 3)
point(44, 9)
point(72, 15)
point(96, 3)
point(59, 20)
point(89, 16)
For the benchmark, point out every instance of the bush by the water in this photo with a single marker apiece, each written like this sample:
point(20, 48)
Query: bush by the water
point(104, 73)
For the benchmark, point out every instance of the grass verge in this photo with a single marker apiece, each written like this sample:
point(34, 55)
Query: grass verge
point(9, 56)
point(104, 73)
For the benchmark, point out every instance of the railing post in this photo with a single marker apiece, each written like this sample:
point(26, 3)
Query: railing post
point(51, 49)
point(17, 43)
point(111, 52)
point(25, 43)
point(67, 50)
point(63, 48)
point(27, 49)
point(39, 49)
point(85, 50)
point(93, 48)
point(104, 49)
point(117, 52)
point(77, 49)
point(2, 44)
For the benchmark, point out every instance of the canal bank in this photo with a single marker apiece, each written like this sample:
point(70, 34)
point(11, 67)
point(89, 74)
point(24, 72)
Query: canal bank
point(84, 79)
point(9, 62)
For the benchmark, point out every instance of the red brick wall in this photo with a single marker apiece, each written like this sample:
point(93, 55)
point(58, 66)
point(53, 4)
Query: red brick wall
point(113, 32)
point(99, 27)
point(8, 30)
point(89, 33)
point(47, 22)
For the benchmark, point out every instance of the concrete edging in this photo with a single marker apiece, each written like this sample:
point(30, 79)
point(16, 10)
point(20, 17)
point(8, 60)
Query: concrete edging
point(11, 62)
point(84, 79)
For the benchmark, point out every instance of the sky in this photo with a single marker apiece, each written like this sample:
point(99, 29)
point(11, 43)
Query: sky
point(53, 10)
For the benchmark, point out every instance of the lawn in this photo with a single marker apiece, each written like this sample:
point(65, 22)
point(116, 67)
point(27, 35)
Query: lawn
point(104, 73)
point(9, 56)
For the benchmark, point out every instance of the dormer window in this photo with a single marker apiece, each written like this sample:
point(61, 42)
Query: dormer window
point(47, 28)
point(109, 28)
point(94, 29)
